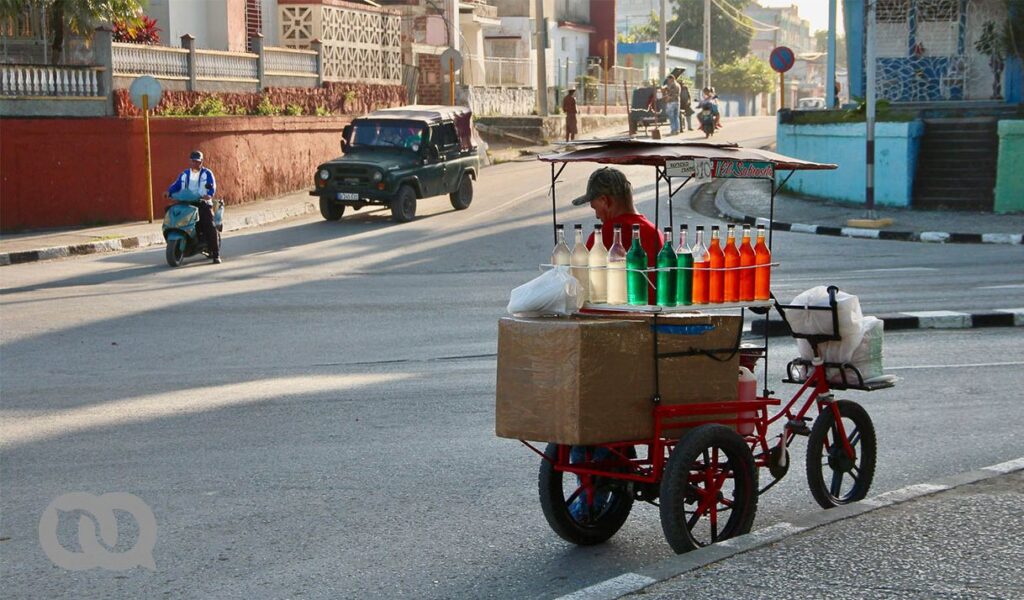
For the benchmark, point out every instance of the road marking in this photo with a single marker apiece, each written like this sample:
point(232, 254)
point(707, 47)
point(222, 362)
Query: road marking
point(1012, 286)
point(963, 366)
point(611, 588)
point(893, 269)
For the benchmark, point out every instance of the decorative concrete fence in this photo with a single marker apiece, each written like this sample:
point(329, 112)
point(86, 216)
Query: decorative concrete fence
point(896, 146)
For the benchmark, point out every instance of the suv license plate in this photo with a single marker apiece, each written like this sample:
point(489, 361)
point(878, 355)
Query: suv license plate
point(347, 196)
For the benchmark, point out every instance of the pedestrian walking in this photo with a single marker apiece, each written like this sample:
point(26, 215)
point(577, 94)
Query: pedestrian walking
point(569, 108)
point(672, 92)
point(685, 103)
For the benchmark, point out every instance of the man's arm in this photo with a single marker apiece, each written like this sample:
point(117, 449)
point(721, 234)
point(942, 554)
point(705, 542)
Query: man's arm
point(174, 189)
point(211, 184)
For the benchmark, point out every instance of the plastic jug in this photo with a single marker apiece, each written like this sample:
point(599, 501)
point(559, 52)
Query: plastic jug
point(747, 393)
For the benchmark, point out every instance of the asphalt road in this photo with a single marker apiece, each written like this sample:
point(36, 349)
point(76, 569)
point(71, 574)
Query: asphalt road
point(314, 417)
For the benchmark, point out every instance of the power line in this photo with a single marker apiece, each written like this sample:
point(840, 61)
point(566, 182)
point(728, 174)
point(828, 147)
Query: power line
point(738, 17)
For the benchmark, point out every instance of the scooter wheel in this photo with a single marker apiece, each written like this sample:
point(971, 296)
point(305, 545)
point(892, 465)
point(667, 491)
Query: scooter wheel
point(175, 253)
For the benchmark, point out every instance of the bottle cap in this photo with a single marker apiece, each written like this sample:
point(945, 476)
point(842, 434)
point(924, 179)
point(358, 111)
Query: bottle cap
point(714, 228)
point(578, 226)
point(700, 228)
point(598, 227)
point(668, 230)
point(560, 226)
point(683, 227)
point(636, 228)
point(618, 228)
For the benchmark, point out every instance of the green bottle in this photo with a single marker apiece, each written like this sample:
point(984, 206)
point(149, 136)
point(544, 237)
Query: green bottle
point(684, 276)
point(636, 265)
point(667, 272)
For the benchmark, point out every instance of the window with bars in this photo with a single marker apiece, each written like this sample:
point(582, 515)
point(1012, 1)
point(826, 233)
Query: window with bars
point(892, 11)
point(253, 21)
point(938, 10)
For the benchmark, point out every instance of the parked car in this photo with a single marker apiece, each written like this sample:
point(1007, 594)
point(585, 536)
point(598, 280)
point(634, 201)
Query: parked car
point(810, 104)
point(398, 156)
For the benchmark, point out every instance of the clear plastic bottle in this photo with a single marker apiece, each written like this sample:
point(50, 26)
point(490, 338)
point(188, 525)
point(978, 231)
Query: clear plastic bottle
point(598, 261)
point(700, 268)
point(636, 262)
point(579, 259)
point(732, 263)
point(716, 258)
point(560, 255)
point(746, 267)
point(666, 294)
point(763, 270)
point(617, 269)
point(684, 276)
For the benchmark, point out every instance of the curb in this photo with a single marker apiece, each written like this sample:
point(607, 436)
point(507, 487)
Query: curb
point(940, 237)
point(676, 566)
point(926, 319)
point(153, 239)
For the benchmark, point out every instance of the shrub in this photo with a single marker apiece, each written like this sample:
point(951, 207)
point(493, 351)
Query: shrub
point(323, 111)
point(266, 108)
point(211, 106)
point(293, 110)
point(141, 30)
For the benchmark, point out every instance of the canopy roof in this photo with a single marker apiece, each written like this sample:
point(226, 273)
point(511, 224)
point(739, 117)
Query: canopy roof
point(625, 151)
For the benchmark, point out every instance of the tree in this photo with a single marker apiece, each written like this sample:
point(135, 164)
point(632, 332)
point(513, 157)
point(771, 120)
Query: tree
point(821, 45)
point(75, 16)
point(645, 32)
point(730, 40)
point(748, 74)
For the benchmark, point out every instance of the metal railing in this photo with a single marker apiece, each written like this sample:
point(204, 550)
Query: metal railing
point(40, 80)
point(502, 72)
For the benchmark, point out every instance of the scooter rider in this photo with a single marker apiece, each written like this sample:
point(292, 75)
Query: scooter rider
point(197, 183)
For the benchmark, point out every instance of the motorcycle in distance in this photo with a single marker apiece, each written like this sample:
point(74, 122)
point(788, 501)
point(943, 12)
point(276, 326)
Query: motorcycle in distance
point(706, 118)
point(180, 229)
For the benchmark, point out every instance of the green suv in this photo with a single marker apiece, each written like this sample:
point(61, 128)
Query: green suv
point(396, 156)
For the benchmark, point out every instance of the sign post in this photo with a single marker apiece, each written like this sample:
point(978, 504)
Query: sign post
point(452, 58)
point(782, 60)
point(145, 91)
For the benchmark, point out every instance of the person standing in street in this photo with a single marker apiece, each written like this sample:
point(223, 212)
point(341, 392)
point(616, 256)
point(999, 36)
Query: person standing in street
point(610, 195)
point(197, 183)
point(569, 108)
point(672, 92)
point(685, 104)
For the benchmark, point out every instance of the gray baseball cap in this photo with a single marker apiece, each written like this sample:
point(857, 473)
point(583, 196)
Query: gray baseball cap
point(606, 181)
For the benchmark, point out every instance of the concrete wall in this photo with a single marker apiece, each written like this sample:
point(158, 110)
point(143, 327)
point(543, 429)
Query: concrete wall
point(66, 172)
point(497, 101)
point(896, 146)
point(1009, 182)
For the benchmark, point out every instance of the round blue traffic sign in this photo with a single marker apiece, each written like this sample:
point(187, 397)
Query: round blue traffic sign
point(782, 59)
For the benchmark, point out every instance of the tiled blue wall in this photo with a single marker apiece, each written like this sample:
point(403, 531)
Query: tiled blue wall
point(896, 146)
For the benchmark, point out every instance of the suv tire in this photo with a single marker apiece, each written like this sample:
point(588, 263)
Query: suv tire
point(403, 207)
point(463, 196)
point(330, 210)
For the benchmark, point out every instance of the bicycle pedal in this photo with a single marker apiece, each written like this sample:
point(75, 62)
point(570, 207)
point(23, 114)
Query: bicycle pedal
point(799, 427)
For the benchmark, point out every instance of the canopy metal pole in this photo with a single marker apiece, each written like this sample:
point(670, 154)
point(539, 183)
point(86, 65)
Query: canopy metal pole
point(554, 219)
point(657, 195)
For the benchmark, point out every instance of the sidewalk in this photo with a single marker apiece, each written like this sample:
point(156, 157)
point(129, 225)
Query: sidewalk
point(748, 201)
point(958, 537)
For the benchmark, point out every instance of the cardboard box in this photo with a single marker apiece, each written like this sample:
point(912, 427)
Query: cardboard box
point(589, 380)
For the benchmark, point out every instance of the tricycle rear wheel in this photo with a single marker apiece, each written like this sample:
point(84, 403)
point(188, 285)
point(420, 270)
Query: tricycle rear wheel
point(710, 477)
point(584, 509)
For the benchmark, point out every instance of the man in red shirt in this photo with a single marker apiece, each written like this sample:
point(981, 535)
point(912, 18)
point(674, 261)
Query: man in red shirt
point(610, 194)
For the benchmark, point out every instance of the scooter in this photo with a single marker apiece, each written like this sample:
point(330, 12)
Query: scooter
point(706, 118)
point(181, 229)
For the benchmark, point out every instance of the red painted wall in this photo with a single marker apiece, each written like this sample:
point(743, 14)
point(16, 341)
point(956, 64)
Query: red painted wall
point(65, 172)
point(602, 18)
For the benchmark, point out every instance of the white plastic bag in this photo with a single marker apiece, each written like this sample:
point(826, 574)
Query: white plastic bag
point(554, 292)
point(819, 322)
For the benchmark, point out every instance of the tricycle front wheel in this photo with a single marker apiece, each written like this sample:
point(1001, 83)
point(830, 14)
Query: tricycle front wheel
point(582, 509)
point(709, 489)
point(834, 475)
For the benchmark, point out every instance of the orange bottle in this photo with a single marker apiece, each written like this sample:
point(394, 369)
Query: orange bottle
point(746, 267)
point(716, 260)
point(700, 268)
point(732, 262)
point(762, 272)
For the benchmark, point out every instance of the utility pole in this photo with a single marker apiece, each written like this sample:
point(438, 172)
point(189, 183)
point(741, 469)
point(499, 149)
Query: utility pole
point(542, 71)
point(830, 78)
point(869, 192)
point(707, 66)
point(662, 47)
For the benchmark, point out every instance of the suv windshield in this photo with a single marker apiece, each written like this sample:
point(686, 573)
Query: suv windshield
point(388, 133)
